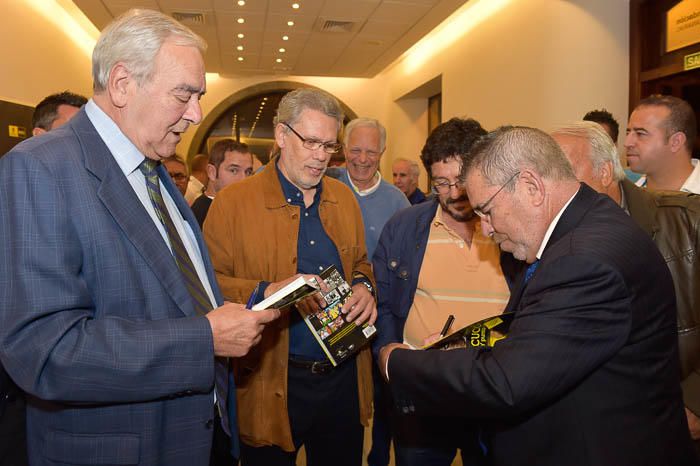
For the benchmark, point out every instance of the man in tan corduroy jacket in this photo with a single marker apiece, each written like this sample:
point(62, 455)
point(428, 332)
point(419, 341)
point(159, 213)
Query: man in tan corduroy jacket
point(287, 220)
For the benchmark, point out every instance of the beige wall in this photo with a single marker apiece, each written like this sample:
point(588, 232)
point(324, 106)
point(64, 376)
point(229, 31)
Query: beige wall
point(533, 62)
point(39, 58)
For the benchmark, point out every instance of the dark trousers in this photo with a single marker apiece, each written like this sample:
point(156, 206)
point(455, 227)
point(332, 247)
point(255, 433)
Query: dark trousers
point(381, 426)
point(221, 446)
point(433, 441)
point(13, 424)
point(324, 413)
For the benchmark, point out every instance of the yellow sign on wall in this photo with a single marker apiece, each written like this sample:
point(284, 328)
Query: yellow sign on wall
point(15, 131)
point(683, 25)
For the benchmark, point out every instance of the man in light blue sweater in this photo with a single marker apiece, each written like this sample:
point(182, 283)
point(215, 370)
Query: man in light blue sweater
point(364, 142)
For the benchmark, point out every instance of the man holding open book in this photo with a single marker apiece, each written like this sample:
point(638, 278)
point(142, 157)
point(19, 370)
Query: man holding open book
point(287, 220)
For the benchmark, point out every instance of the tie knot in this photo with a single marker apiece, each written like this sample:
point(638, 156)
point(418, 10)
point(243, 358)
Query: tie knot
point(148, 167)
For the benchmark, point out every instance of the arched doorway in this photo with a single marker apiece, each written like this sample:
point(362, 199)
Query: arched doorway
point(247, 116)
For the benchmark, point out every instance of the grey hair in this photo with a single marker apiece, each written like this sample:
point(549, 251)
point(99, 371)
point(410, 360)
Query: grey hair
point(298, 100)
point(135, 38)
point(510, 149)
point(602, 149)
point(412, 166)
point(365, 123)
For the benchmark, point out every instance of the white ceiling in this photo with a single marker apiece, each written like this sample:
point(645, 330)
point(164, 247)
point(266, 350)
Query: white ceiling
point(379, 32)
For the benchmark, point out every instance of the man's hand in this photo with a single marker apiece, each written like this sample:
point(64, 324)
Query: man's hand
point(384, 354)
point(432, 338)
point(236, 330)
point(309, 305)
point(360, 306)
point(693, 424)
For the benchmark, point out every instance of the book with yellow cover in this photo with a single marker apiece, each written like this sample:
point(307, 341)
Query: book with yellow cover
point(483, 333)
point(338, 338)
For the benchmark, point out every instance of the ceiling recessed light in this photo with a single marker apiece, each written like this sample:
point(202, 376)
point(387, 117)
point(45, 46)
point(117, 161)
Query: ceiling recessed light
point(285, 37)
point(290, 23)
point(282, 50)
point(241, 35)
point(262, 104)
point(239, 48)
point(240, 58)
point(240, 20)
point(295, 6)
point(264, 98)
point(241, 2)
point(279, 60)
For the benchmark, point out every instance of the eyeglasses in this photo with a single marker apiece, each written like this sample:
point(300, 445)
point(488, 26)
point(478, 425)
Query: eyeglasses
point(444, 187)
point(313, 144)
point(479, 210)
point(178, 176)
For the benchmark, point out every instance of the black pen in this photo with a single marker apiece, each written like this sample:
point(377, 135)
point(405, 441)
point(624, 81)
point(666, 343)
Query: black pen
point(448, 324)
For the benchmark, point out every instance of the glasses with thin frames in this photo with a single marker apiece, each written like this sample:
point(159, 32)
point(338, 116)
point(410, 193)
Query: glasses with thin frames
point(444, 187)
point(312, 144)
point(479, 210)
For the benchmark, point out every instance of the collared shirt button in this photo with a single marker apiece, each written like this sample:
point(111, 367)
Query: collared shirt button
point(289, 200)
point(306, 214)
point(312, 242)
point(393, 264)
point(320, 267)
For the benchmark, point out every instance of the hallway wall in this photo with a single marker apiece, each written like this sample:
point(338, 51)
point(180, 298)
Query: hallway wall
point(532, 62)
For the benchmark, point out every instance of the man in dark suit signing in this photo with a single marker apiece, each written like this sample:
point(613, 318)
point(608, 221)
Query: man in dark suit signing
point(589, 372)
point(106, 316)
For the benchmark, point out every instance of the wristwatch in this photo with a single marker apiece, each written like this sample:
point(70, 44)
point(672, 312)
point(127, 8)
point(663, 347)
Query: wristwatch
point(369, 287)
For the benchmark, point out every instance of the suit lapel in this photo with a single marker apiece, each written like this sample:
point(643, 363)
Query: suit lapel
point(119, 198)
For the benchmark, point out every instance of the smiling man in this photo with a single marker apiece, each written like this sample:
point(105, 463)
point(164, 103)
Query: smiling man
point(364, 143)
point(106, 316)
point(588, 373)
point(290, 219)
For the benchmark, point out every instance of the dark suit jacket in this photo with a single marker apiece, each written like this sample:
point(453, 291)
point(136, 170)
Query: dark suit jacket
point(96, 323)
point(589, 372)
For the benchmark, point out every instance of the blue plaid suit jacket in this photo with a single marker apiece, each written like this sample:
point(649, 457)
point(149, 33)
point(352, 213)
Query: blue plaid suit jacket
point(96, 324)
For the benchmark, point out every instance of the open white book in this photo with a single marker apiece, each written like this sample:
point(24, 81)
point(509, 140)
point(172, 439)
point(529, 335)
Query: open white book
point(288, 294)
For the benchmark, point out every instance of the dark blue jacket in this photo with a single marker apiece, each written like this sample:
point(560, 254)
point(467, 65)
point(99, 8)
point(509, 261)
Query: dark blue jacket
point(397, 262)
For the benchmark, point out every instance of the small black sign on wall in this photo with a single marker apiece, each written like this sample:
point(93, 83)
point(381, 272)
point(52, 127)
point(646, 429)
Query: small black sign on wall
point(15, 125)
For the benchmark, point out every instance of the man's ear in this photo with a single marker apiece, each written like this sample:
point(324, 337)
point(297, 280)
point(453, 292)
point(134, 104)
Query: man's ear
point(532, 185)
point(279, 135)
point(605, 174)
point(677, 141)
point(118, 85)
point(211, 172)
point(38, 131)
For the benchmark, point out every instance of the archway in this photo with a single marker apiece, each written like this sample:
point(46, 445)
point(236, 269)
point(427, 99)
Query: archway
point(216, 123)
